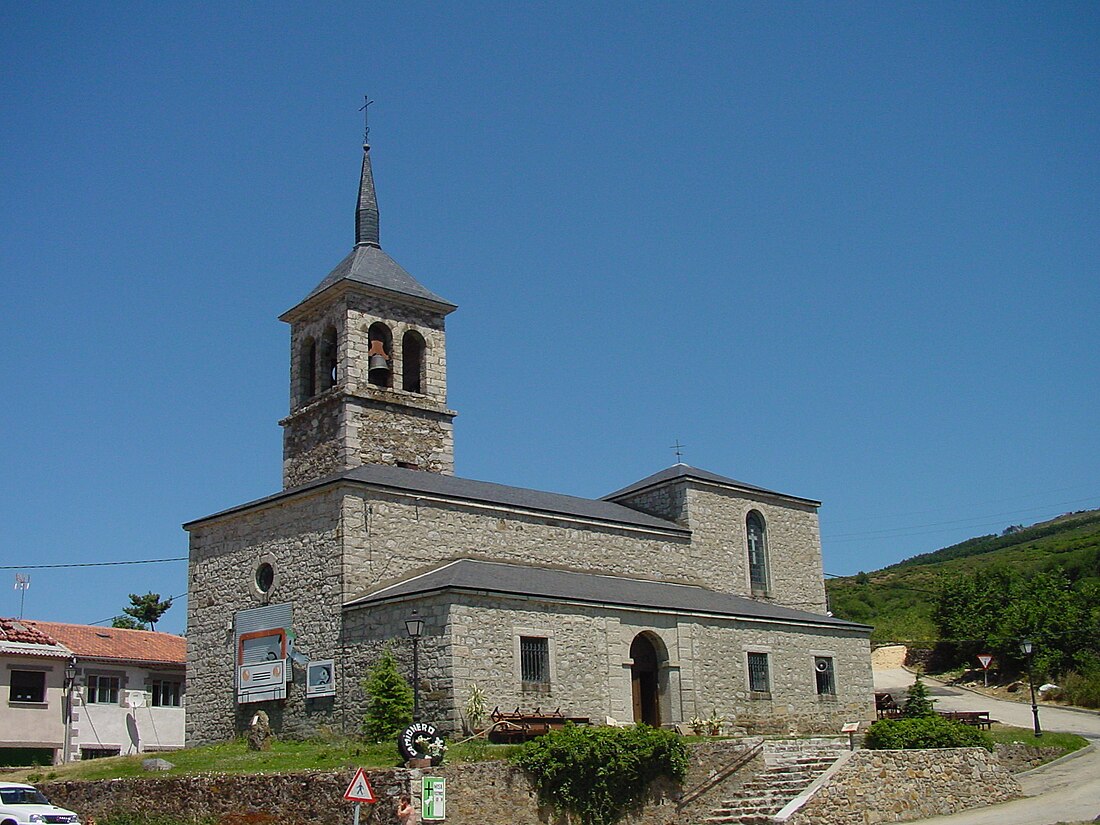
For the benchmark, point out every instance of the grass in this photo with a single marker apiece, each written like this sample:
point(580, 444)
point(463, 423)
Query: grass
point(1067, 742)
point(234, 757)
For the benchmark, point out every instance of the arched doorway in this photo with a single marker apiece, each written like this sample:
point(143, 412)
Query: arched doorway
point(643, 681)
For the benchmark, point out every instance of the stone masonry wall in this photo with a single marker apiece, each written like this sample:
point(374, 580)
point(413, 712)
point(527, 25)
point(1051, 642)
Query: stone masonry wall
point(380, 433)
point(389, 536)
point(474, 641)
point(719, 679)
point(384, 425)
point(716, 516)
point(299, 537)
point(897, 786)
point(872, 787)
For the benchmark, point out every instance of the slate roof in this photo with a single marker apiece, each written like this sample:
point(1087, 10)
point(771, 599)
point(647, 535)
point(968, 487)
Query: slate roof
point(116, 644)
point(476, 576)
point(463, 489)
point(20, 636)
point(370, 266)
point(367, 264)
point(678, 471)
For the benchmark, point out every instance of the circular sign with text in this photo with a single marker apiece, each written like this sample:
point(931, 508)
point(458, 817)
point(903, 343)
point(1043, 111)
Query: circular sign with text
point(421, 740)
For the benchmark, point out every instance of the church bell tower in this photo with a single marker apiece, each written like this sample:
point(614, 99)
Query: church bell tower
point(368, 365)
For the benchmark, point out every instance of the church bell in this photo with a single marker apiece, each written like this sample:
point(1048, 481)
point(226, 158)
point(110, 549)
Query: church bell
point(378, 364)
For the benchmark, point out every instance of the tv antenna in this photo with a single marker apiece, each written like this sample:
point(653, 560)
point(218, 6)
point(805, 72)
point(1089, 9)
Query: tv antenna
point(22, 582)
point(678, 449)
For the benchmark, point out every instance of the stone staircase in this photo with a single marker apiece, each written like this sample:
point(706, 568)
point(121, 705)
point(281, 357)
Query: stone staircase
point(790, 767)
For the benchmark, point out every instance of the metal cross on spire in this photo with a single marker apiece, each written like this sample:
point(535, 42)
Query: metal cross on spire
point(677, 448)
point(366, 117)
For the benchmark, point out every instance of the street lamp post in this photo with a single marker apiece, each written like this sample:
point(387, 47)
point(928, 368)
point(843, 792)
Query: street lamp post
point(414, 626)
point(1025, 648)
point(70, 683)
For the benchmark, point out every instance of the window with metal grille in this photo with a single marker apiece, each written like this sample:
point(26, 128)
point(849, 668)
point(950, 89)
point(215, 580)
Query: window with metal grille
point(823, 669)
point(102, 690)
point(758, 673)
point(758, 554)
point(27, 686)
point(166, 694)
point(534, 659)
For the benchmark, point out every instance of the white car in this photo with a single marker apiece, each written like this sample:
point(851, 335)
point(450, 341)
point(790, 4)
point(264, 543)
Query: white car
point(25, 804)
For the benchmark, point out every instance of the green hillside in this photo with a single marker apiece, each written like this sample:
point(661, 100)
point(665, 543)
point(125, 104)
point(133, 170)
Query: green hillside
point(898, 600)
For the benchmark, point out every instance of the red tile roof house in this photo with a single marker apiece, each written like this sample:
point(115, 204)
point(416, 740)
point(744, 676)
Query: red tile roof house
point(32, 694)
point(128, 691)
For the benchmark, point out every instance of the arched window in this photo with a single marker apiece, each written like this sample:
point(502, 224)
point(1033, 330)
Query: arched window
point(328, 359)
point(307, 370)
point(412, 362)
point(379, 355)
point(758, 552)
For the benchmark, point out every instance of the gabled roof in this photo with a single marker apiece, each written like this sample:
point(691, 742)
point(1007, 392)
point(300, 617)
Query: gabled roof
point(18, 636)
point(474, 576)
point(416, 482)
point(686, 471)
point(116, 644)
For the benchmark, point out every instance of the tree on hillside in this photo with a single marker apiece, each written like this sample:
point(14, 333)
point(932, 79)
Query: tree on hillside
point(126, 623)
point(147, 609)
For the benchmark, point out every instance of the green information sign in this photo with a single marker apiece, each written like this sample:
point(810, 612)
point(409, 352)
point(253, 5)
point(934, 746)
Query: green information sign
point(433, 797)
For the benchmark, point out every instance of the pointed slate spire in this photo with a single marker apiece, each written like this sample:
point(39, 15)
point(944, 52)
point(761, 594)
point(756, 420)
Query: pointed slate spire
point(366, 210)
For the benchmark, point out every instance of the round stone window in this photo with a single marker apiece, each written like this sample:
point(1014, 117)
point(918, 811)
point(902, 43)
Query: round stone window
point(265, 577)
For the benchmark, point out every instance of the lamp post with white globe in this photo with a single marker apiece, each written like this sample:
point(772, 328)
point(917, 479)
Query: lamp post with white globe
point(1026, 648)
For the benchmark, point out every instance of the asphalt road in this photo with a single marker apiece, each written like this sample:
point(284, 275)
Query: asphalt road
point(1067, 790)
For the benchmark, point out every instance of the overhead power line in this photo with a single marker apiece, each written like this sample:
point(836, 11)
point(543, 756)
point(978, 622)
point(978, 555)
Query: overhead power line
point(87, 564)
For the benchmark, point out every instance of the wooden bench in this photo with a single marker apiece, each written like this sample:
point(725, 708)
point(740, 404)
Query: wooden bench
point(976, 718)
point(886, 707)
point(519, 727)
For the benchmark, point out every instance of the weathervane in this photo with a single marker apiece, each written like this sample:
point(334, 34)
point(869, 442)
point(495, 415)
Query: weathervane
point(366, 117)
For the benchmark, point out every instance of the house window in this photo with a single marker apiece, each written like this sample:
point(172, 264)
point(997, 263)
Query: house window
point(28, 686)
point(758, 673)
point(102, 690)
point(99, 753)
point(534, 659)
point(166, 694)
point(758, 554)
point(823, 670)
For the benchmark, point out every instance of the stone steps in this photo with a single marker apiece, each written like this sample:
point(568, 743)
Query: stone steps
point(790, 767)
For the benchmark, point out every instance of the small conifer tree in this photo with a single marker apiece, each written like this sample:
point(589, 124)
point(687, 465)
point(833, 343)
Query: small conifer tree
point(389, 700)
point(918, 705)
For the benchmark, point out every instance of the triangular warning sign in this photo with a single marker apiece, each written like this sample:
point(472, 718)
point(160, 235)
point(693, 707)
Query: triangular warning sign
point(360, 790)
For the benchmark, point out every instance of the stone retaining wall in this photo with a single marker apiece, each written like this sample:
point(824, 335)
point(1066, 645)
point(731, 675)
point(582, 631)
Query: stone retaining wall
point(897, 786)
point(872, 787)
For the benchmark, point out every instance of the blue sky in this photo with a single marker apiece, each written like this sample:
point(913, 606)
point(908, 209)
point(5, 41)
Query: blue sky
point(848, 251)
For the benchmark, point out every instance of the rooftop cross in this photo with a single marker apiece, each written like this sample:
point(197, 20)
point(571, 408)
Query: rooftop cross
point(366, 117)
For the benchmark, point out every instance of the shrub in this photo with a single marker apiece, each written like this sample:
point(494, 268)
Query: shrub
point(1082, 689)
point(389, 702)
point(925, 732)
point(600, 773)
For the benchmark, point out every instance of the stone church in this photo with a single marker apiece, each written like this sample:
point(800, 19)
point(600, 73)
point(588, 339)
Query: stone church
point(684, 594)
